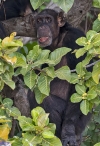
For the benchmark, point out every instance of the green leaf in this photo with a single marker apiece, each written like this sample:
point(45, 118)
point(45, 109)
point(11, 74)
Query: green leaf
point(42, 120)
point(30, 79)
point(10, 50)
point(84, 106)
point(64, 4)
point(88, 46)
point(96, 40)
point(47, 134)
point(16, 141)
point(1, 66)
point(25, 70)
point(9, 71)
point(39, 96)
point(76, 98)
point(36, 112)
point(96, 51)
point(97, 119)
point(52, 127)
point(57, 54)
point(9, 82)
point(36, 4)
point(50, 71)
point(26, 123)
point(30, 139)
point(7, 102)
point(51, 142)
point(74, 78)
point(44, 84)
point(87, 75)
point(96, 3)
point(44, 55)
point(96, 25)
point(91, 94)
point(90, 82)
point(96, 72)
point(1, 85)
point(87, 59)
point(12, 44)
point(21, 60)
point(98, 89)
point(97, 144)
point(81, 89)
point(63, 73)
point(90, 34)
point(33, 54)
point(14, 112)
point(40, 62)
point(81, 41)
point(79, 69)
point(99, 16)
point(80, 52)
point(17, 72)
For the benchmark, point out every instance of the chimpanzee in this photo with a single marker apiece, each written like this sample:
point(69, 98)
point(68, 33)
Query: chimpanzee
point(52, 33)
point(13, 8)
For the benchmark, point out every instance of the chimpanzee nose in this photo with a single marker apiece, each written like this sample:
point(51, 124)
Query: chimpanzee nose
point(42, 27)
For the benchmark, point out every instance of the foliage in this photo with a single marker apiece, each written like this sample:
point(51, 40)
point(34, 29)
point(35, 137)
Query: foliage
point(64, 4)
point(96, 3)
point(37, 130)
point(40, 82)
point(7, 59)
point(91, 135)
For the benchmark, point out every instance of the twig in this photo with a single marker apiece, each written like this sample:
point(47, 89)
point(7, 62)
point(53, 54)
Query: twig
point(87, 66)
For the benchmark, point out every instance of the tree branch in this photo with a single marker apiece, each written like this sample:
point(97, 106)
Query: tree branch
point(87, 66)
point(78, 12)
point(24, 26)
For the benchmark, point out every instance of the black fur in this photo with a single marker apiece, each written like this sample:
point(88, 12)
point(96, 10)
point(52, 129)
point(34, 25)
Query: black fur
point(66, 115)
point(12, 8)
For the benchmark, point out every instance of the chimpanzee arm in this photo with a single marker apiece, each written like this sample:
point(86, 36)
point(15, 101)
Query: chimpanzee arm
point(73, 124)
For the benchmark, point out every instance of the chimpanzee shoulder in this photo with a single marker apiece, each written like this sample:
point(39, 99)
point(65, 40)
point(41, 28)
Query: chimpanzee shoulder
point(72, 34)
point(69, 40)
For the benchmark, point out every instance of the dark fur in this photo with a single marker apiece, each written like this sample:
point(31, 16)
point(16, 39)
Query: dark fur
point(13, 8)
point(67, 116)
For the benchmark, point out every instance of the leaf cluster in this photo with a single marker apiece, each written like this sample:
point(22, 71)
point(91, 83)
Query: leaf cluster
point(38, 70)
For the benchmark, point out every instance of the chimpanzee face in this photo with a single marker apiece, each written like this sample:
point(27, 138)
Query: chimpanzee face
point(47, 26)
point(44, 32)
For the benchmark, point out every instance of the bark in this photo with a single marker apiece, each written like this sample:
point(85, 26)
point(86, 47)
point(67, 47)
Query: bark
point(24, 26)
point(78, 12)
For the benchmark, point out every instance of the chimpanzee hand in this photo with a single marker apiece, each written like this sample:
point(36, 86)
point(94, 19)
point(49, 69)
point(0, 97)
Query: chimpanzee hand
point(68, 135)
point(69, 140)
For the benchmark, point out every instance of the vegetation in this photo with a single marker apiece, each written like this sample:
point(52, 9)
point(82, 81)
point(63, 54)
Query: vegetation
point(32, 131)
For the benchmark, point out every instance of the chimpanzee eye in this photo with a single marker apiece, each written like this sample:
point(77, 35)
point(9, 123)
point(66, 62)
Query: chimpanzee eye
point(48, 19)
point(39, 20)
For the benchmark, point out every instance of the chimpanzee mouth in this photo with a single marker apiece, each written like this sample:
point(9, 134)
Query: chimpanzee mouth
point(43, 39)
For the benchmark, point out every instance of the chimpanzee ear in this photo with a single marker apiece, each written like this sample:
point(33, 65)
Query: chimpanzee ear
point(61, 19)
